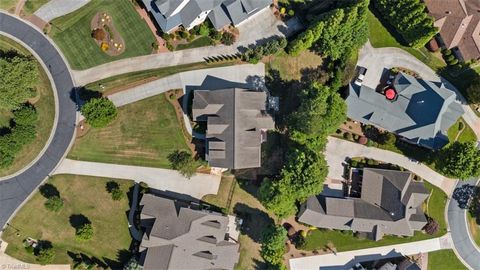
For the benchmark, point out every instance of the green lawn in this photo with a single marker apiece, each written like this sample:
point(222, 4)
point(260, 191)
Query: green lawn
point(82, 195)
point(144, 133)
point(290, 68)
point(474, 228)
point(380, 36)
point(130, 79)
point(72, 33)
point(318, 239)
point(199, 42)
point(45, 106)
point(32, 5)
point(444, 260)
point(8, 5)
point(466, 135)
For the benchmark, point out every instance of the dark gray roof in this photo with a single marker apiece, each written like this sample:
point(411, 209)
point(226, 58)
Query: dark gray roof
point(171, 13)
point(389, 201)
point(235, 120)
point(177, 237)
point(422, 112)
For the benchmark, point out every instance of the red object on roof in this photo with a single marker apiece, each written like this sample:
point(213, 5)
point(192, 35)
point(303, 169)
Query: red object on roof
point(390, 94)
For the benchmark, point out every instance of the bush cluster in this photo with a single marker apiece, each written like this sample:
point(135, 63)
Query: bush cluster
point(410, 19)
point(84, 232)
point(254, 55)
point(54, 203)
point(21, 132)
point(99, 112)
point(183, 162)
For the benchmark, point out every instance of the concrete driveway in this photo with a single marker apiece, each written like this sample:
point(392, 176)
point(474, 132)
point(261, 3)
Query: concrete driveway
point(339, 150)
point(57, 8)
point(345, 260)
point(261, 27)
point(247, 75)
point(170, 182)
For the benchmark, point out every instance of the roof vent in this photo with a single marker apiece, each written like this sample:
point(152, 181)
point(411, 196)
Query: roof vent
point(448, 12)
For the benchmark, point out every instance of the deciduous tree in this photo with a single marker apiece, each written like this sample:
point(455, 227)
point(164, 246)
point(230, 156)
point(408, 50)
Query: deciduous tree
point(461, 160)
point(99, 112)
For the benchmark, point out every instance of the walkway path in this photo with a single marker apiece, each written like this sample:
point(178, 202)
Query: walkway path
point(262, 26)
point(19, 7)
point(339, 150)
point(212, 78)
point(345, 260)
point(170, 182)
point(57, 8)
point(378, 59)
point(7, 262)
point(15, 189)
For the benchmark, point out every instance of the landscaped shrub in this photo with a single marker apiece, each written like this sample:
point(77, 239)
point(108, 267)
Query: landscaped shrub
point(216, 35)
point(363, 140)
point(183, 34)
point(410, 19)
point(431, 227)
point(347, 135)
point(99, 112)
point(54, 203)
point(144, 188)
point(99, 34)
point(203, 30)
point(84, 232)
point(183, 162)
point(227, 38)
point(166, 36)
point(169, 46)
point(46, 256)
point(117, 194)
point(354, 163)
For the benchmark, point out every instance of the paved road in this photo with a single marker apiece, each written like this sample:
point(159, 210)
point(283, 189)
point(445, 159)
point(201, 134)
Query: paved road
point(57, 8)
point(171, 182)
point(376, 60)
point(344, 260)
point(339, 150)
point(14, 190)
point(466, 249)
point(262, 26)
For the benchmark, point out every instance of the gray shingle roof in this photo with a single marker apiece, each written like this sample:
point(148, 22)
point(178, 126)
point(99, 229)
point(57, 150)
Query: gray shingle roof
point(171, 13)
point(389, 201)
point(422, 112)
point(177, 237)
point(235, 120)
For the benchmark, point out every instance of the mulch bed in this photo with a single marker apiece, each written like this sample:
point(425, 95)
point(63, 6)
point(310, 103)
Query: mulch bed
point(106, 35)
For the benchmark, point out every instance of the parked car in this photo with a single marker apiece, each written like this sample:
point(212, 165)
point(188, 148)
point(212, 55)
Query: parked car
point(361, 76)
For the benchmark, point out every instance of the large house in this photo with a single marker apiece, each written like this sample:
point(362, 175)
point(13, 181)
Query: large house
point(459, 24)
point(178, 237)
point(419, 111)
point(169, 14)
point(237, 123)
point(379, 202)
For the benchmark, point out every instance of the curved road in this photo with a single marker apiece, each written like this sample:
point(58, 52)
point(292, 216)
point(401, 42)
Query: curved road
point(15, 190)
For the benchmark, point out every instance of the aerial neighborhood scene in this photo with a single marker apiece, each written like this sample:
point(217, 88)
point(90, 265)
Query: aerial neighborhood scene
point(240, 134)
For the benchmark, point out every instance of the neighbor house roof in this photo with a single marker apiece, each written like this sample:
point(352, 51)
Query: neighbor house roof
point(422, 112)
point(235, 118)
point(459, 23)
point(388, 201)
point(171, 13)
point(178, 237)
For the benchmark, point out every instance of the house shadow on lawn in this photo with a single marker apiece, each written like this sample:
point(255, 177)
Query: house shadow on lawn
point(254, 220)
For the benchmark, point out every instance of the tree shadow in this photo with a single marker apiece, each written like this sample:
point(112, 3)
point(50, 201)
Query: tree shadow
point(86, 94)
point(122, 258)
point(88, 261)
point(260, 265)
point(78, 220)
point(254, 220)
point(110, 186)
point(48, 191)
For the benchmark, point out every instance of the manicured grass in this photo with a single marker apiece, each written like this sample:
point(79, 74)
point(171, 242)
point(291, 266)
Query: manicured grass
point(318, 239)
point(444, 260)
point(474, 228)
point(8, 5)
point(128, 80)
point(82, 195)
point(44, 104)
point(381, 36)
point(199, 42)
point(220, 200)
point(32, 5)
point(466, 135)
point(290, 67)
point(72, 33)
point(144, 133)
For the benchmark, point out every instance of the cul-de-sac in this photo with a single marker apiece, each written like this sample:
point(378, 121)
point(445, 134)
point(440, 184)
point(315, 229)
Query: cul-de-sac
point(240, 134)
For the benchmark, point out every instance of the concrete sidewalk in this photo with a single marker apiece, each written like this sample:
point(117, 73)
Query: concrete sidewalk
point(169, 182)
point(339, 150)
point(345, 260)
point(247, 75)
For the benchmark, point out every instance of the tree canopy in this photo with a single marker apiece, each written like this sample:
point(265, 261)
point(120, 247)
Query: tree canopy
point(99, 112)
point(18, 77)
point(335, 32)
point(183, 162)
point(461, 160)
point(273, 246)
point(473, 91)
